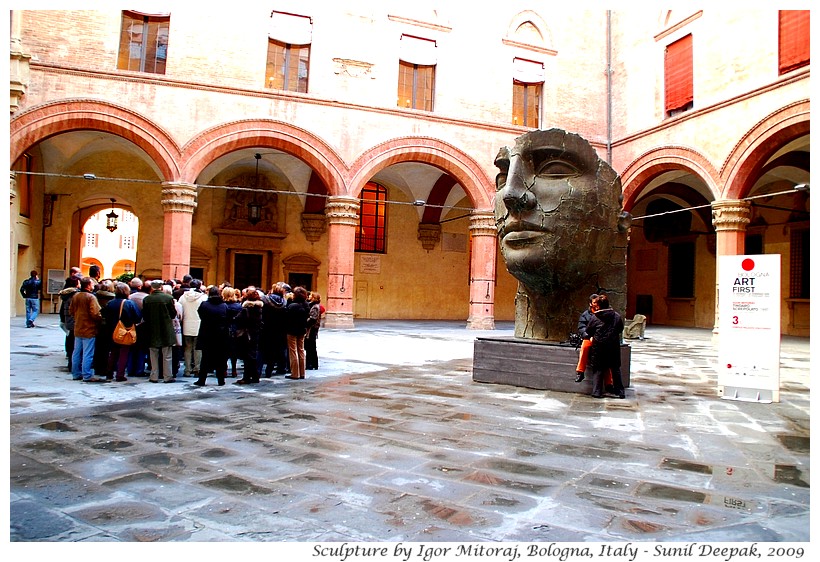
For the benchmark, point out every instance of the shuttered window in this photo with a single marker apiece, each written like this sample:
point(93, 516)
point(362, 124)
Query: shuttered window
point(793, 39)
point(678, 76)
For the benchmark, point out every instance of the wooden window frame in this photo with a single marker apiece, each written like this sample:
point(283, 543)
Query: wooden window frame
point(284, 65)
point(417, 91)
point(523, 111)
point(149, 59)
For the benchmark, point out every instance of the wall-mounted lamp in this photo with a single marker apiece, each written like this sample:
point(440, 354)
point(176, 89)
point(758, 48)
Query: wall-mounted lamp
point(801, 187)
point(419, 203)
point(111, 218)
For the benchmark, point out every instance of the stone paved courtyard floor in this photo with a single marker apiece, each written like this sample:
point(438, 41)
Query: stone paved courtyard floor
point(391, 441)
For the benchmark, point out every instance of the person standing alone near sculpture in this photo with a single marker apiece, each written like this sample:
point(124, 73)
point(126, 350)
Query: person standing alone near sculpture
point(31, 290)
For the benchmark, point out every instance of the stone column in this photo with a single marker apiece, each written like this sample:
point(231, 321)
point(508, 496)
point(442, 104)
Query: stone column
point(18, 63)
point(729, 218)
point(484, 240)
point(178, 204)
point(342, 214)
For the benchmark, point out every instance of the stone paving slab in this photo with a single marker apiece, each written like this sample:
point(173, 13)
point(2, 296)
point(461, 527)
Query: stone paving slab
point(391, 441)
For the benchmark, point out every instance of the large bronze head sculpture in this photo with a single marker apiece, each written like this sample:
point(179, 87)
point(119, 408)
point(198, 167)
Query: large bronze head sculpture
point(562, 230)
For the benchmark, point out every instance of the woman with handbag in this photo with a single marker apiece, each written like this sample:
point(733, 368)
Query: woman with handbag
point(120, 309)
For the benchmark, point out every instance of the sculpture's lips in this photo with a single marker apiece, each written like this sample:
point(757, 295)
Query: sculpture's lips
point(520, 234)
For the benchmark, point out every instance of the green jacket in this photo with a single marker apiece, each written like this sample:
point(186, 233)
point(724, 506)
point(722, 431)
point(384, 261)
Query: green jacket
point(158, 310)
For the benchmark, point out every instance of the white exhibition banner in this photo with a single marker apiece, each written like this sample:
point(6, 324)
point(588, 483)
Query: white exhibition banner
point(749, 327)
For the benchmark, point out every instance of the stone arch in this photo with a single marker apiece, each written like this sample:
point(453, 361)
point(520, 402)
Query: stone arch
point(466, 171)
point(750, 154)
point(663, 159)
point(537, 21)
point(228, 137)
point(33, 125)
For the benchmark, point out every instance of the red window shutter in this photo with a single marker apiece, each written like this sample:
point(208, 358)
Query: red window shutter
point(793, 33)
point(678, 74)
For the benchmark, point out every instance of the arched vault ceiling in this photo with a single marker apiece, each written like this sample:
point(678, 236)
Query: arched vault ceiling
point(61, 151)
point(280, 167)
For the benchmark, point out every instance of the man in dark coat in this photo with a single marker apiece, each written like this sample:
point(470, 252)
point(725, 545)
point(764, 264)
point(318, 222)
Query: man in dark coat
point(604, 330)
point(31, 290)
point(158, 312)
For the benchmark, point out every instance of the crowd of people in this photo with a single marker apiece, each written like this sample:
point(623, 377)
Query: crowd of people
point(186, 329)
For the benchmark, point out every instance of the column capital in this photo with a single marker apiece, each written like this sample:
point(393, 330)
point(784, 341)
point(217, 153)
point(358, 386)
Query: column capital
point(731, 214)
point(482, 223)
point(178, 197)
point(341, 209)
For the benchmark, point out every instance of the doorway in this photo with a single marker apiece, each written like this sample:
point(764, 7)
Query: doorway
point(247, 270)
point(301, 280)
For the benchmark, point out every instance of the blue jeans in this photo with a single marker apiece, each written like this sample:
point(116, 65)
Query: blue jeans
point(32, 310)
point(82, 359)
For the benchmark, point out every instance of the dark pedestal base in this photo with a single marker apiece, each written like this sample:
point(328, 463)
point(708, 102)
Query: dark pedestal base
point(534, 364)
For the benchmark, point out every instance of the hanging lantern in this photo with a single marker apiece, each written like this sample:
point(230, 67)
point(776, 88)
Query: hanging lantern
point(254, 208)
point(254, 212)
point(111, 218)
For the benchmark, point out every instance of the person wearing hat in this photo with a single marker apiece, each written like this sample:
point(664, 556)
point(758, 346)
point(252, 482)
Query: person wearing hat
point(158, 312)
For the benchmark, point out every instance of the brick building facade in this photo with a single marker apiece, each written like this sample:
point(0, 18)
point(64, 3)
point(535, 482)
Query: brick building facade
point(351, 149)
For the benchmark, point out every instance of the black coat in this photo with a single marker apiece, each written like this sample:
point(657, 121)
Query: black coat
point(605, 329)
point(296, 318)
point(250, 320)
point(213, 330)
point(583, 322)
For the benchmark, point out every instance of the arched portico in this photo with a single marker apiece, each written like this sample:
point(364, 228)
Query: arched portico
point(29, 127)
point(671, 248)
point(743, 166)
point(461, 170)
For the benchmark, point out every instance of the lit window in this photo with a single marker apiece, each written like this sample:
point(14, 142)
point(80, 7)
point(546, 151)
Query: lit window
point(144, 42)
point(528, 77)
point(287, 67)
point(679, 91)
point(91, 240)
point(127, 242)
point(370, 236)
point(288, 64)
point(417, 73)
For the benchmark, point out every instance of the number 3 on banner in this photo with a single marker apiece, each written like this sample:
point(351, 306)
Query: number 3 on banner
point(735, 320)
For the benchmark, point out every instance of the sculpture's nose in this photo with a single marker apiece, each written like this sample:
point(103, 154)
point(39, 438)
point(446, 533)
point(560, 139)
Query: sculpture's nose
point(515, 194)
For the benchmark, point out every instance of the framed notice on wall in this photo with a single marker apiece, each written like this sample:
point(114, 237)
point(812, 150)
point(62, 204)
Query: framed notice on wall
point(55, 281)
point(749, 339)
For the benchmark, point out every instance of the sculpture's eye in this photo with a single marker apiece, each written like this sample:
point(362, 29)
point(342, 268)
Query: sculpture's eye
point(557, 169)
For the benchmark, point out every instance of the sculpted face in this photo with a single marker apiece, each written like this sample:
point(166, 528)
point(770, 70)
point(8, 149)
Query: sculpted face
point(558, 212)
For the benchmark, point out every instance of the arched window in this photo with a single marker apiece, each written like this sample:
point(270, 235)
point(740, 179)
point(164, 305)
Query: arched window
point(370, 237)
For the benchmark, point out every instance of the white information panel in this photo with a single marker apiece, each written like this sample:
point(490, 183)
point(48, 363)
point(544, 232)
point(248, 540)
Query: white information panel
point(749, 352)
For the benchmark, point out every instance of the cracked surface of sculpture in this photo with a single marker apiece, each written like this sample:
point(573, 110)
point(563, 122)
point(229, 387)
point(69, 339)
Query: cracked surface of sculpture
point(561, 228)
